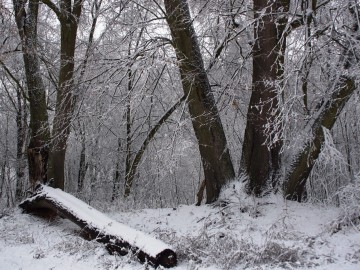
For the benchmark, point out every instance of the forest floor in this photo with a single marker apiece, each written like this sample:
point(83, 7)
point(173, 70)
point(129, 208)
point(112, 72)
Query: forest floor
point(240, 232)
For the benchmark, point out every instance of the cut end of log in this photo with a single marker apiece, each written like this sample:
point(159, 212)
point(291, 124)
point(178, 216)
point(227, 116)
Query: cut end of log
point(167, 258)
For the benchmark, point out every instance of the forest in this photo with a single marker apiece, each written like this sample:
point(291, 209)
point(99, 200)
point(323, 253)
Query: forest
point(184, 104)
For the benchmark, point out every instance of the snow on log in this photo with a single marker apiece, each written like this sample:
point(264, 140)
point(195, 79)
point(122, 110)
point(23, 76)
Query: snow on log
point(116, 236)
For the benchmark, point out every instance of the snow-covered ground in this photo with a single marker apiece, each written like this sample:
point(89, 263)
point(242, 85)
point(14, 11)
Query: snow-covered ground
point(240, 232)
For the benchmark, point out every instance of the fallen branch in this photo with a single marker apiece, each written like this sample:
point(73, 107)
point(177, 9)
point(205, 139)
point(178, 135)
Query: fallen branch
point(117, 237)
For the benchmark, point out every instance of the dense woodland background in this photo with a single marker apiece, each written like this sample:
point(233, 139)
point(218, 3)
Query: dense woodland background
point(140, 101)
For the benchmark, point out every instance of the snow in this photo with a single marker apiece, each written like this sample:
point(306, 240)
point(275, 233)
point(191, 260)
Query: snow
point(240, 232)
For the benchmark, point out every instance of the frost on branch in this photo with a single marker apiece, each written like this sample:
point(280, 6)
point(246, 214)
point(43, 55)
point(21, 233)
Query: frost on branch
point(349, 197)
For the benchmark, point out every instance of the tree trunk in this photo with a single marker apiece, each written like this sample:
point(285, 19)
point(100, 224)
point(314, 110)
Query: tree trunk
point(303, 163)
point(68, 16)
point(38, 150)
point(82, 164)
point(129, 173)
point(116, 182)
point(21, 119)
point(215, 156)
point(200, 193)
point(261, 154)
point(117, 237)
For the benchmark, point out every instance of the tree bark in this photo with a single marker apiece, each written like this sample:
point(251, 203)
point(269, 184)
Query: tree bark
point(68, 15)
point(260, 160)
point(83, 165)
point(116, 182)
point(38, 148)
point(215, 156)
point(21, 130)
point(129, 173)
point(200, 194)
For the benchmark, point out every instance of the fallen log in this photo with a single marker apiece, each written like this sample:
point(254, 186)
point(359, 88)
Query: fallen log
point(117, 237)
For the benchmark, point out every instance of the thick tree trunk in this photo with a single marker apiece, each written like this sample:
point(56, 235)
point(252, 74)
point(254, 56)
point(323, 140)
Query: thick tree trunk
point(303, 163)
point(64, 104)
point(68, 15)
point(260, 160)
point(215, 156)
point(38, 150)
point(117, 237)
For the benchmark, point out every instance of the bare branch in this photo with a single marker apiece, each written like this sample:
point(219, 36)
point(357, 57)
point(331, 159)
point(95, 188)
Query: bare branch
point(55, 9)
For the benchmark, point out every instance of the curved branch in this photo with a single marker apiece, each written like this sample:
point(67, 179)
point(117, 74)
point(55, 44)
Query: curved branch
point(303, 163)
point(17, 82)
point(55, 9)
point(150, 136)
point(78, 6)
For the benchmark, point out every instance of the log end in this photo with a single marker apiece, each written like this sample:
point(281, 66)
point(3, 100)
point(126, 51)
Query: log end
point(38, 208)
point(167, 258)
